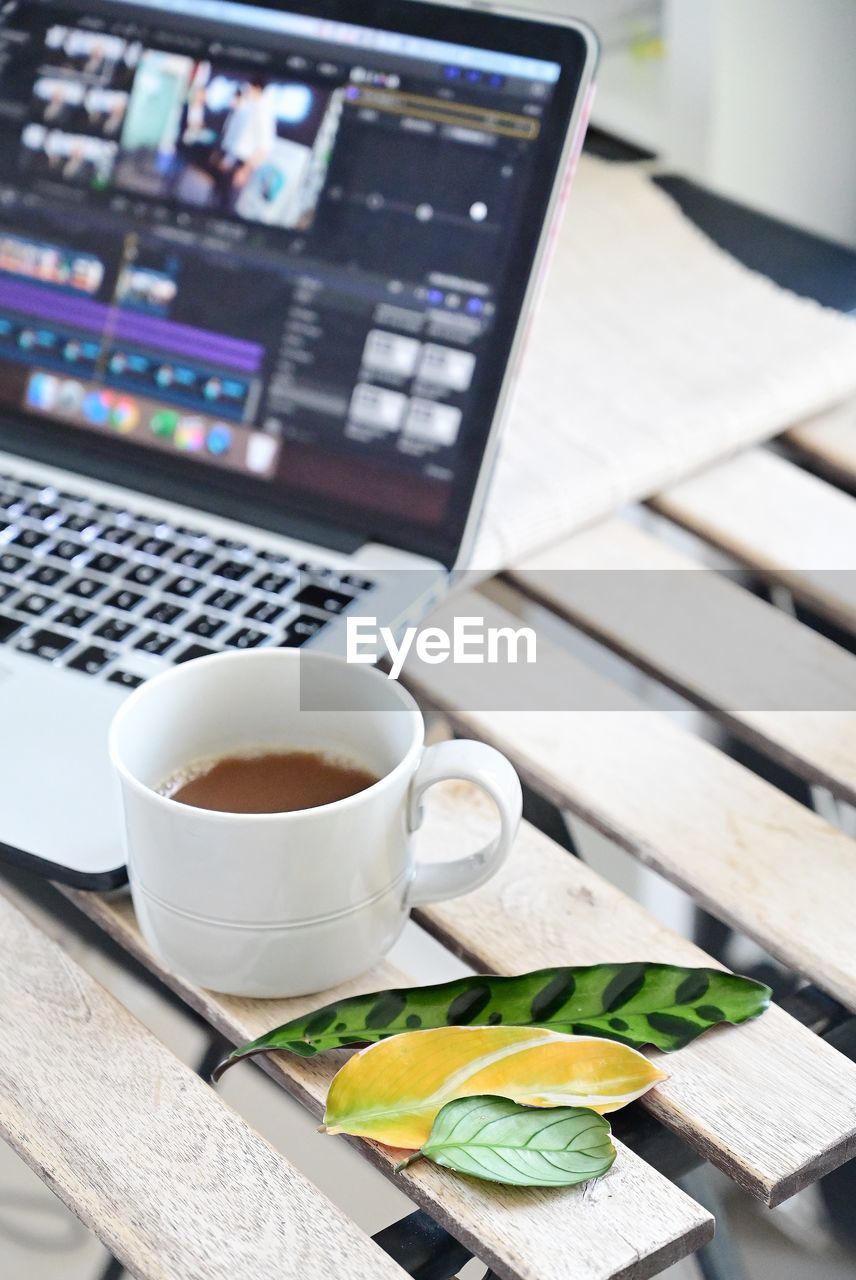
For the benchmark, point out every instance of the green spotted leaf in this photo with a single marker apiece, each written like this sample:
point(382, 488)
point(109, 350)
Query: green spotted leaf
point(637, 1004)
point(502, 1141)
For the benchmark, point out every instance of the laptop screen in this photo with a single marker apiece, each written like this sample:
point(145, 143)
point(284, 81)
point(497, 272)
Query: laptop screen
point(272, 252)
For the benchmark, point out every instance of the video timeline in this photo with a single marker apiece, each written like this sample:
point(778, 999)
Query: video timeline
point(151, 423)
point(51, 264)
point(192, 367)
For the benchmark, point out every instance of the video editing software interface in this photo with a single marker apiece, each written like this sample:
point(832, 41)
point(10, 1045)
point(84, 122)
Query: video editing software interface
point(259, 240)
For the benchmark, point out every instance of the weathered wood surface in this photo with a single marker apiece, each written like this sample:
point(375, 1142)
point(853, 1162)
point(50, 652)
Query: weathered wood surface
point(767, 513)
point(769, 1103)
point(546, 908)
point(829, 441)
point(773, 681)
point(630, 1224)
point(740, 847)
point(176, 1185)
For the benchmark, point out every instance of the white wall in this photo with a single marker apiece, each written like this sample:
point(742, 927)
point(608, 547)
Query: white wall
point(783, 132)
point(756, 98)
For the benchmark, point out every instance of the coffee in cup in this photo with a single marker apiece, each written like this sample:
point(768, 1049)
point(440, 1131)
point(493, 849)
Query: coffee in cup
point(265, 781)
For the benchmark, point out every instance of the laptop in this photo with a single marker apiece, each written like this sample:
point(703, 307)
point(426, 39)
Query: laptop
point(264, 271)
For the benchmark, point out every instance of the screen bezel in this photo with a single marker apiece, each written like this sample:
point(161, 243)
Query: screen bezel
point(336, 523)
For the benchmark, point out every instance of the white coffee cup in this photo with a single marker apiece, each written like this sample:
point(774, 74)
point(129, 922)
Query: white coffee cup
point(285, 904)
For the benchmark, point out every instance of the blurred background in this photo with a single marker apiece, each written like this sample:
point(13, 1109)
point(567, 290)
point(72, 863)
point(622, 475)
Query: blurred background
point(756, 100)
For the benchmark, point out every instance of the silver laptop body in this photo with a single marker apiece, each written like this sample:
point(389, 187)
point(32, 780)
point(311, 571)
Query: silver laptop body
point(263, 281)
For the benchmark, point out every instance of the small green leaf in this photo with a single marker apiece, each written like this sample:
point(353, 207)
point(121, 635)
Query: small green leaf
point(502, 1141)
point(637, 1004)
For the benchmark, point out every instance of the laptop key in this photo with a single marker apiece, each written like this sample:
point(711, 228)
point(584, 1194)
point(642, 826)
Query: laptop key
point(165, 613)
point(47, 575)
point(300, 630)
point(246, 638)
point(358, 584)
point(78, 523)
point(184, 587)
point(66, 549)
point(6, 590)
point(45, 644)
point(8, 627)
point(124, 600)
point(155, 643)
point(125, 679)
point(265, 611)
point(224, 599)
point(106, 562)
point(193, 559)
point(30, 538)
point(154, 546)
point(116, 534)
point(74, 616)
point(321, 572)
point(273, 583)
point(274, 557)
point(91, 660)
point(205, 626)
point(35, 605)
point(232, 570)
point(143, 575)
point(10, 563)
point(40, 511)
point(86, 588)
point(323, 598)
point(143, 524)
point(115, 630)
point(194, 651)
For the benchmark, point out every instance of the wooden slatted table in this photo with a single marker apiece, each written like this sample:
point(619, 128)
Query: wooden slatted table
point(631, 1223)
point(769, 514)
point(172, 1180)
point(829, 442)
point(733, 841)
point(178, 1186)
point(770, 1103)
point(773, 681)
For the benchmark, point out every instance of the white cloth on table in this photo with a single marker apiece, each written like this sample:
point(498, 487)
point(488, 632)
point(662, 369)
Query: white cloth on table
point(653, 353)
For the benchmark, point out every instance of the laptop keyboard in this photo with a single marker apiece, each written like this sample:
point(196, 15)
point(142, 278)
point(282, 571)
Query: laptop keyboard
point(105, 590)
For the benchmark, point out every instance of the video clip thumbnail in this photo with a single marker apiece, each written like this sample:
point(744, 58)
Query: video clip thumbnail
point(214, 139)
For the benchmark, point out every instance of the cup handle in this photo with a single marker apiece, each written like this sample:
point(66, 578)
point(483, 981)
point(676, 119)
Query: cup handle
point(470, 762)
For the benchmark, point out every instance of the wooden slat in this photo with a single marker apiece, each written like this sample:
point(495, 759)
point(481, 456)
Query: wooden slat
point(769, 1102)
point(829, 440)
point(175, 1183)
point(546, 908)
point(773, 681)
point(740, 847)
point(770, 515)
point(629, 1224)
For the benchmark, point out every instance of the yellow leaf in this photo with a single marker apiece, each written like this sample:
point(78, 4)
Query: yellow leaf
point(393, 1090)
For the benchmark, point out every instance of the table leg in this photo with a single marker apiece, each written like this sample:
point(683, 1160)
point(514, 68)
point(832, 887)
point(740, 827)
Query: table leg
point(719, 1260)
point(838, 1189)
point(548, 818)
point(423, 1248)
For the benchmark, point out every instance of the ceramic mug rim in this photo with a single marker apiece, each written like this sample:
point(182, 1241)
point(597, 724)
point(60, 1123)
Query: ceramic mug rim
point(407, 763)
